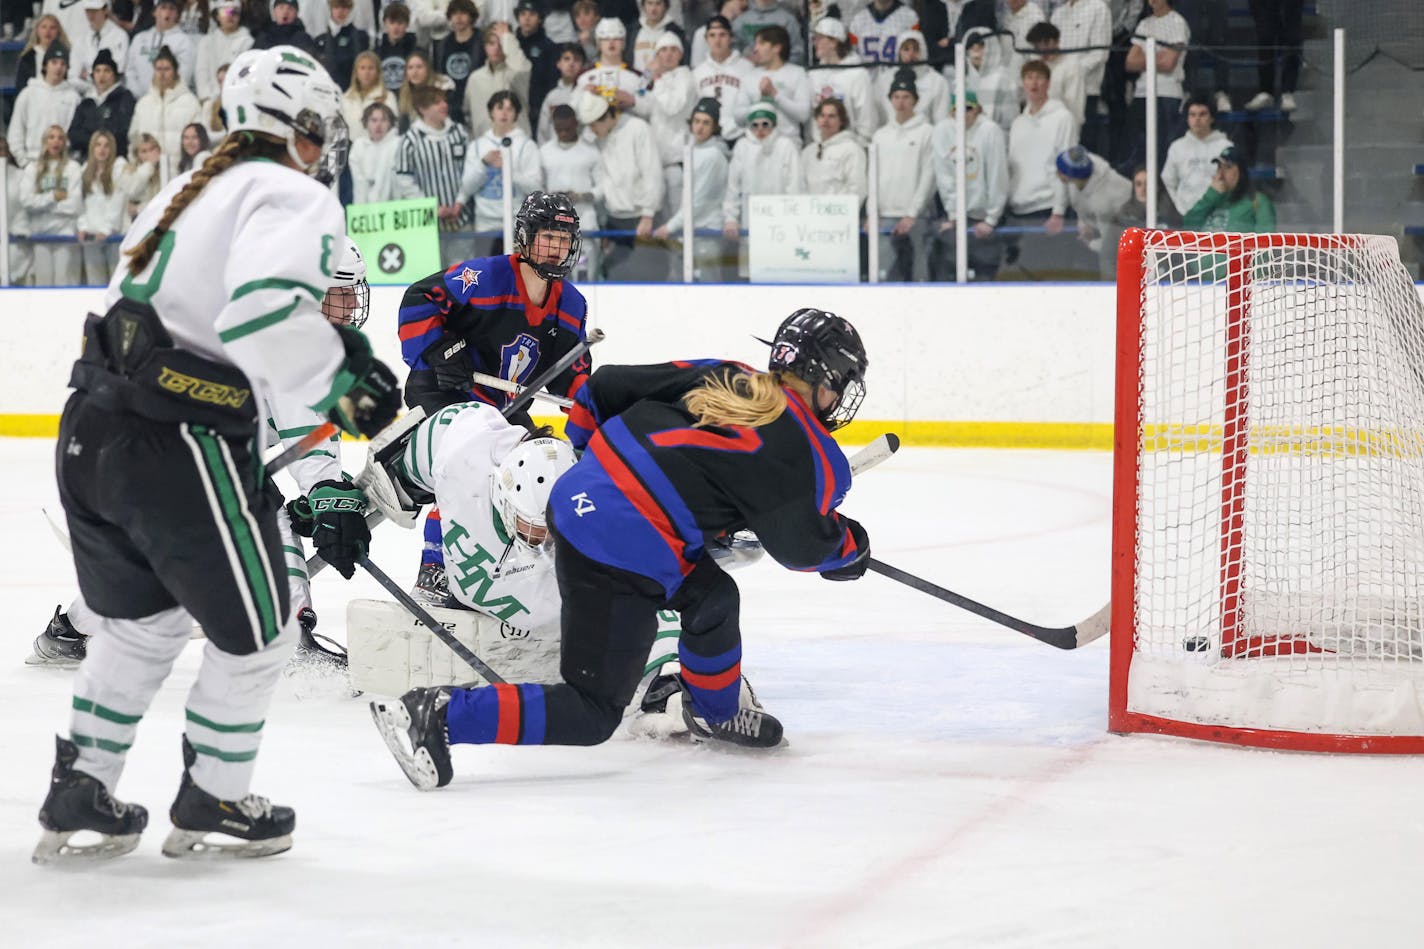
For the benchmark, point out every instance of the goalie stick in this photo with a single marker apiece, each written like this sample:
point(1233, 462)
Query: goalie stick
point(1066, 637)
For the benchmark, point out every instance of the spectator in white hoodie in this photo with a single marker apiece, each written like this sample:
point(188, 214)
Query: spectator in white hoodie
point(722, 75)
point(105, 213)
point(666, 101)
point(166, 108)
point(986, 191)
point(709, 184)
point(1093, 190)
point(143, 50)
point(630, 189)
point(50, 192)
point(778, 83)
point(835, 163)
point(653, 24)
point(988, 78)
point(1190, 168)
point(933, 88)
point(905, 181)
point(373, 156)
point(609, 77)
point(762, 163)
point(221, 44)
point(102, 33)
point(1042, 130)
point(573, 167)
point(852, 87)
point(505, 67)
point(47, 99)
point(486, 174)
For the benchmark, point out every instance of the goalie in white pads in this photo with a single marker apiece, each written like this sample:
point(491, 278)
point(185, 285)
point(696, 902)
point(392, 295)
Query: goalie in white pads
point(347, 303)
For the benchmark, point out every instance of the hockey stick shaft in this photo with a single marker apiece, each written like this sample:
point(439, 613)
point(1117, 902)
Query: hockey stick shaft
point(428, 621)
point(504, 385)
point(1066, 637)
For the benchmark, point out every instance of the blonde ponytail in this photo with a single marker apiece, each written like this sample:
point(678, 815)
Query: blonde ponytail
point(737, 400)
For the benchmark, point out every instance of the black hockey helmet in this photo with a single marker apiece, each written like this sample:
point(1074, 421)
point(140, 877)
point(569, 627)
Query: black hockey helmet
point(823, 350)
point(547, 211)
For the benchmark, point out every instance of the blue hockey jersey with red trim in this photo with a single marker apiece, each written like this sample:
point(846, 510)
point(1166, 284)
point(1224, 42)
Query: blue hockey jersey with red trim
point(651, 490)
point(484, 301)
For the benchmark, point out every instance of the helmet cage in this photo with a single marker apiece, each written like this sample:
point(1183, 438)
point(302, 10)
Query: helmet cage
point(547, 212)
point(347, 306)
point(823, 350)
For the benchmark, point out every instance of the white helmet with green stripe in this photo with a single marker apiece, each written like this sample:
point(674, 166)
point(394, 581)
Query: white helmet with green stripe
point(285, 93)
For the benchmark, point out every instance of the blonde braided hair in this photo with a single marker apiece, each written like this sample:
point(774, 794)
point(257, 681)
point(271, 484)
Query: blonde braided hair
point(234, 148)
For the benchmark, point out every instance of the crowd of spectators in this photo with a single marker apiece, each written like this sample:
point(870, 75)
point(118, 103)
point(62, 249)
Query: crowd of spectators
point(460, 99)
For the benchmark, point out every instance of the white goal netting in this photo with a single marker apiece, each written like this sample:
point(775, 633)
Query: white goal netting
point(1279, 544)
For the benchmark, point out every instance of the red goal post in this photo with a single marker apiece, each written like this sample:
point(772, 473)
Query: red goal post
point(1268, 510)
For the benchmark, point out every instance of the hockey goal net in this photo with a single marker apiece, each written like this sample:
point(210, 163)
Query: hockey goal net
point(1268, 512)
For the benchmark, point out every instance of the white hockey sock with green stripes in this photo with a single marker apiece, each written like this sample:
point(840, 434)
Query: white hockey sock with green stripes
point(127, 660)
point(296, 559)
point(665, 645)
point(226, 710)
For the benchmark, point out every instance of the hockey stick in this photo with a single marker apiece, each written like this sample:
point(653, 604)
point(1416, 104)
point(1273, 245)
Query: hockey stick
point(428, 621)
point(1067, 637)
point(504, 385)
point(308, 441)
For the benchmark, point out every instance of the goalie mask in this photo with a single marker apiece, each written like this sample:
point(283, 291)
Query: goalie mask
point(823, 350)
point(284, 93)
point(521, 486)
point(544, 211)
point(348, 299)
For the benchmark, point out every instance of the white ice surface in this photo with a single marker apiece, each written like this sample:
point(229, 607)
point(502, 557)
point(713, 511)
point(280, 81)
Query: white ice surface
point(947, 782)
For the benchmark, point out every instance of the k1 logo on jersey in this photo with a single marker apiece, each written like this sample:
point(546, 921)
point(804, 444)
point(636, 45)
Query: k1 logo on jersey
point(518, 359)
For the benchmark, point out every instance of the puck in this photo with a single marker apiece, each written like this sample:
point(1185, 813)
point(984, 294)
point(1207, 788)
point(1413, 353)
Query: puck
point(1196, 643)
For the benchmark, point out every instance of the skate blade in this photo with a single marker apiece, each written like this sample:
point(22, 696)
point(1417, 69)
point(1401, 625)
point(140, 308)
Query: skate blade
point(195, 845)
point(33, 659)
point(393, 722)
point(54, 847)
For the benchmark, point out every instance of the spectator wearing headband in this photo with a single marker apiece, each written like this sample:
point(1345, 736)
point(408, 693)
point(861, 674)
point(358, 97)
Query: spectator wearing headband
point(723, 76)
point(779, 84)
point(986, 191)
point(852, 87)
point(904, 178)
point(630, 189)
point(709, 185)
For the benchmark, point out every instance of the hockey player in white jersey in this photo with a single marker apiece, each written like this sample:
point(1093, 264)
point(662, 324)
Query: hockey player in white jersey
point(347, 303)
point(164, 495)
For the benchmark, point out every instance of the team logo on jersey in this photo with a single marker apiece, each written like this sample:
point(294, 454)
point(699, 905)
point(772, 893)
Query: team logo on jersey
point(582, 505)
point(469, 278)
point(518, 359)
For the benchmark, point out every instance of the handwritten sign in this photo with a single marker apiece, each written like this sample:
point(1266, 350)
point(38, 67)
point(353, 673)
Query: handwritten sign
point(399, 239)
point(804, 238)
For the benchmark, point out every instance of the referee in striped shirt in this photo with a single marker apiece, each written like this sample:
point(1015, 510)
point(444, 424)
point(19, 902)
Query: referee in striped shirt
point(430, 162)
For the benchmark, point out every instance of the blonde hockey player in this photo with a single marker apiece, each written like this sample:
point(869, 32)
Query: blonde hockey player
point(347, 303)
point(217, 296)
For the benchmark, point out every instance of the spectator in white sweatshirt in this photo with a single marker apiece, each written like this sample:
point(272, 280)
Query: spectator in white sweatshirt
point(1093, 190)
point(102, 33)
point(630, 189)
point(932, 87)
point(568, 65)
point(709, 184)
point(224, 40)
point(373, 156)
point(722, 75)
point(1069, 78)
point(905, 181)
point(986, 191)
point(105, 212)
point(666, 101)
point(166, 108)
point(778, 83)
point(138, 71)
point(486, 173)
point(832, 47)
point(653, 25)
point(1190, 159)
point(835, 163)
point(505, 67)
point(573, 167)
point(996, 88)
point(762, 163)
point(1042, 130)
point(21, 257)
point(50, 192)
point(610, 77)
point(47, 99)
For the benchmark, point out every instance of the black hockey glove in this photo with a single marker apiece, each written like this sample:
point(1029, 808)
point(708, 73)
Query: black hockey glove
point(299, 512)
point(338, 509)
point(857, 567)
point(450, 359)
point(374, 398)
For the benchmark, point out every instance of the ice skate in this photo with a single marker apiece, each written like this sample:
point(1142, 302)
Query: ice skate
point(60, 645)
point(254, 825)
point(317, 651)
point(751, 727)
point(79, 802)
point(414, 729)
point(433, 589)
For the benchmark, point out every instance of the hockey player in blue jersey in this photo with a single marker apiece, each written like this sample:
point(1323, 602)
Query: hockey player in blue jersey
point(674, 455)
point(511, 316)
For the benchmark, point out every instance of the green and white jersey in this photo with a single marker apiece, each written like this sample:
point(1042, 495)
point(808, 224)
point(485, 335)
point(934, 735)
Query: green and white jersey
point(240, 277)
point(288, 421)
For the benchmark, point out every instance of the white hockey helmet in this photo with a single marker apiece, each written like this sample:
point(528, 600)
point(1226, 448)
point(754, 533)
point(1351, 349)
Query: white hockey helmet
point(285, 93)
point(348, 299)
point(521, 485)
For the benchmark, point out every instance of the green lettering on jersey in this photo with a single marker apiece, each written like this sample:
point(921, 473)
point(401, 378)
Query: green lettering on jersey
point(466, 568)
point(143, 292)
point(326, 262)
